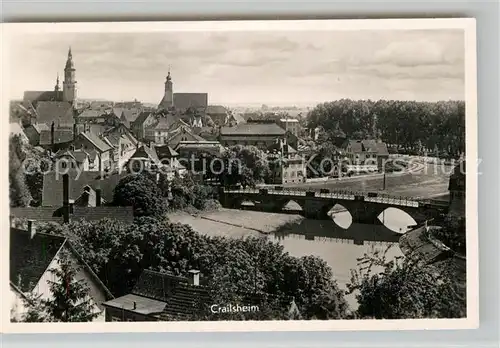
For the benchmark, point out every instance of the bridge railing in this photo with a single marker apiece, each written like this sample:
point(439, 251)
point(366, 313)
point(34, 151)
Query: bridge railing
point(375, 197)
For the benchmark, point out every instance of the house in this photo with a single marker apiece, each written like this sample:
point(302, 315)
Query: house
point(143, 121)
point(291, 125)
point(33, 132)
point(366, 155)
point(127, 115)
point(145, 157)
point(262, 134)
point(286, 165)
point(164, 297)
point(182, 133)
point(52, 194)
point(90, 141)
point(235, 118)
point(158, 133)
point(76, 159)
point(91, 116)
point(218, 113)
point(82, 203)
point(169, 158)
point(55, 139)
point(123, 142)
point(32, 257)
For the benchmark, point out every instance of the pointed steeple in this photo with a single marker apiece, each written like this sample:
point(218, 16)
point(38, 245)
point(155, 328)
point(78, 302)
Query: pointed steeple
point(56, 87)
point(69, 61)
point(169, 78)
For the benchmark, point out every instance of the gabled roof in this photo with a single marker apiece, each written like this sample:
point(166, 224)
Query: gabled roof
point(165, 123)
point(91, 113)
point(359, 146)
point(215, 109)
point(146, 152)
point(130, 114)
point(30, 257)
point(243, 129)
point(61, 136)
point(99, 144)
point(35, 96)
point(52, 194)
point(57, 111)
point(185, 301)
point(142, 117)
point(124, 214)
point(157, 285)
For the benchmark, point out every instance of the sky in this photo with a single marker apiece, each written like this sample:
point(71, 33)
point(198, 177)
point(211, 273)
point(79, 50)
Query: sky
point(275, 68)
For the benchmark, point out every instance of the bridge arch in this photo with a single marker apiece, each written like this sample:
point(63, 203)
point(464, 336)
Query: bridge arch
point(340, 215)
point(396, 219)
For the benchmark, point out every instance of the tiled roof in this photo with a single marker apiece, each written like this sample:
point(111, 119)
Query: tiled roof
point(142, 117)
point(216, 109)
point(41, 127)
point(52, 194)
point(41, 214)
point(243, 129)
point(30, 257)
point(187, 100)
point(129, 114)
point(185, 301)
point(358, 146)
point(124, 214)
point(98, 142)
point(59, 112)
point(34, 96)
point(91, 113)
point(61, 136)
point(165, 123)
point(156, 285)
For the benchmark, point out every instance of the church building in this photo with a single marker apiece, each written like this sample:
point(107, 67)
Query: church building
point(69, 90)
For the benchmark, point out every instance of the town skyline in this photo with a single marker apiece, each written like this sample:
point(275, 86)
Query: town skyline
point(274, 68)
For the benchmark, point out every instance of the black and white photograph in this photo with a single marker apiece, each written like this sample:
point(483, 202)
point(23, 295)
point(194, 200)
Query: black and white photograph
point(246, 175)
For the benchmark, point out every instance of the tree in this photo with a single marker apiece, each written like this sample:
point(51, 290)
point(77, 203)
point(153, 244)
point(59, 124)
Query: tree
point(245, 165)
point(70, 299)
point(142, 193)
point(406, 288)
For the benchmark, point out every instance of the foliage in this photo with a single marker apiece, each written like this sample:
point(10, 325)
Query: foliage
point(26, 165)
point(409, 124)
point(452, 233)
point(18, 190)
point(405, 288)
point(245, 165)
point(186, 192)
point(234, 268)
point(142, 193)
point(70, 299)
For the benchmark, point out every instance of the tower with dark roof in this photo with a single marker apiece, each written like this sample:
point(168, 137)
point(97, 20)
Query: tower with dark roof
point(168, 98)
point(69, 83)
point(57, 89)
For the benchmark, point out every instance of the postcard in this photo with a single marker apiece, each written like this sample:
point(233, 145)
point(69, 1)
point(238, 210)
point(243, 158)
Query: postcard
point(292, 175)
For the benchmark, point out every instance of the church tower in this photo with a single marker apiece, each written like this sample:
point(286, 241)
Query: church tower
point(168, 98)
point(69, 83)
point(57, 91)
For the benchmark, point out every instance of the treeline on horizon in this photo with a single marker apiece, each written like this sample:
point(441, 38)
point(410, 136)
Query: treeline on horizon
point(438, 126)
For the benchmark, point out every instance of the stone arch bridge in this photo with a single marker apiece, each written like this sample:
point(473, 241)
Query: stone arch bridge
point(364, 207)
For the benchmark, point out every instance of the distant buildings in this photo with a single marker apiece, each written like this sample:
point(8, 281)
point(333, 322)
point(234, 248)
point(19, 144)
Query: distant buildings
point(261, 135)
point(366, 155)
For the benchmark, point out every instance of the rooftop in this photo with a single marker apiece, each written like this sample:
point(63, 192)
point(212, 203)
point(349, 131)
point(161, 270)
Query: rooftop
point(244, 129)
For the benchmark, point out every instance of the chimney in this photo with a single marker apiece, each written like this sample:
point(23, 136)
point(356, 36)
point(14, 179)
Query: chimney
point(135, 305)
point(31, 228)
point(52, 141)
point(98, 197)
point(71, 206)
point(66, 208)
point(195, 274)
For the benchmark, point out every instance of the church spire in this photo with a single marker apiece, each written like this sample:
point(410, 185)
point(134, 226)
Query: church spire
point(169, 78)
point(56, 88)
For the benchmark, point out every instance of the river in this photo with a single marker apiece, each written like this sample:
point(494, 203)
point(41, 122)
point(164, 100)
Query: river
point(338, 241)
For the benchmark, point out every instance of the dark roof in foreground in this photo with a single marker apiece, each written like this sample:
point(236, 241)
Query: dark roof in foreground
point(30, 257)
point(243, 129)
point(52, 194)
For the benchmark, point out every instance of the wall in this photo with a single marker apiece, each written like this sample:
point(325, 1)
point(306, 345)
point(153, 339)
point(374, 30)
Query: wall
point(98, 297)
point(114, 314)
